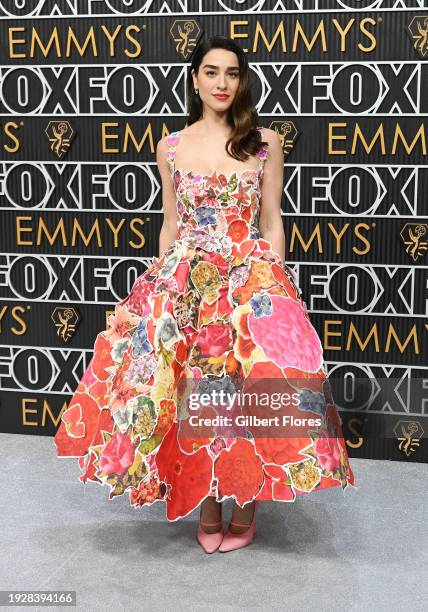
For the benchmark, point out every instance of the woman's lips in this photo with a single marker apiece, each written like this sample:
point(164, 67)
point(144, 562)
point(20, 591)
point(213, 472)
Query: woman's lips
point(220, 97)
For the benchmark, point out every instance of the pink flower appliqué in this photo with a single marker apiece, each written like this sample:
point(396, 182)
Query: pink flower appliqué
point(328, 453)
point(214, 340)
point(287, 336)
point(117, 455)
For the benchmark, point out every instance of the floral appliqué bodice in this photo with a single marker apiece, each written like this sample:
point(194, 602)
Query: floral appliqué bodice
point(217, 210)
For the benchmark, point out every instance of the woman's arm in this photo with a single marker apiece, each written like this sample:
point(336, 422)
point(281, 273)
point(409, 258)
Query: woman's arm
point(270, 221)
point(169, 230)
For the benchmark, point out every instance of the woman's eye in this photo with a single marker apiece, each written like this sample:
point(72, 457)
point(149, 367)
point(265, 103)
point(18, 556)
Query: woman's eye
point(232, 74)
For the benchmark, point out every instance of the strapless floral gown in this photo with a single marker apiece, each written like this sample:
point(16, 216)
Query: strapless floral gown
point(217, 308)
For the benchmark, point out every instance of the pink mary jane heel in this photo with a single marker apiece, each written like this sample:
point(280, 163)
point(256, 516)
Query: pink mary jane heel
point(233, 541)
point(210, 541)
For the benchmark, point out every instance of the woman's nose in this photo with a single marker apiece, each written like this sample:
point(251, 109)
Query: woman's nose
point(222, 81)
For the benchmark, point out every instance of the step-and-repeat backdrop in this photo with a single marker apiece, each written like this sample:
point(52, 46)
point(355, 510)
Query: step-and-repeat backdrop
point(88, 87)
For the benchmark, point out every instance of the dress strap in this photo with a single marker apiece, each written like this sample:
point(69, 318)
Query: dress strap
point(262, 152)
point(172, 141)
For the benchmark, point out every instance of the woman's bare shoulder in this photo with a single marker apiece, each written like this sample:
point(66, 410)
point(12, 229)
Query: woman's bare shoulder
point(190, 130)
point(271, 136)
point(162, 142)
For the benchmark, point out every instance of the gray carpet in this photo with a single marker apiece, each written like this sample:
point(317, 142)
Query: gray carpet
point(362, 550)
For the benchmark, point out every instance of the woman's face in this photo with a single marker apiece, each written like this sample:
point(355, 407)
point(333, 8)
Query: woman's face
point(218, 74)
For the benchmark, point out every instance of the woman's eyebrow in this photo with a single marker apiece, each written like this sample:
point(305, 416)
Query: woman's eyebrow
point(212, 66)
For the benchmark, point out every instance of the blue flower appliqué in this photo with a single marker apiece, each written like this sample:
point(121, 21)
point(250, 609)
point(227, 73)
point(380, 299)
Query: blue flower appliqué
point(205, 215)
point(140, 342)
point(261, 305)
point(312, 401)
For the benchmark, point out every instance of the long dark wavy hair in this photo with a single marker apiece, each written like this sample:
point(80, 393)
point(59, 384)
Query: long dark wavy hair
point(242, 117)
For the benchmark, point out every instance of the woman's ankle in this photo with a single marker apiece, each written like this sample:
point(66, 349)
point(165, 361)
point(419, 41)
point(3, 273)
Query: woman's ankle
point(211, 515)
point(241, 517)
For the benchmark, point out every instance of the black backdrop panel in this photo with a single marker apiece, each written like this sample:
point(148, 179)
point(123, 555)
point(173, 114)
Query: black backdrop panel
point(86, 91)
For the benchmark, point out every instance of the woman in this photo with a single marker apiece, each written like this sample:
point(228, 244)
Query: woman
point(217, 313)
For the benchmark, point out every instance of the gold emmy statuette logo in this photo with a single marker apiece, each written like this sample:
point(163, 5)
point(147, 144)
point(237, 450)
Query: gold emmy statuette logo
point(60, 134)
point(287, 133)
point(185, 33)
point(418, 32)
point(409, 434)
point(411, 235)
point(65, 320)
